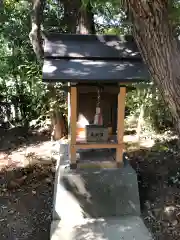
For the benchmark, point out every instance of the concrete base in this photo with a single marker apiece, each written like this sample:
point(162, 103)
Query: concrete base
point(84, 197)
point(124, 228)
point(96, 193)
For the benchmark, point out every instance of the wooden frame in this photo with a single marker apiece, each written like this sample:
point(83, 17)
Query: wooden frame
point(73, 119)
point(120, 124)
point(119, 146)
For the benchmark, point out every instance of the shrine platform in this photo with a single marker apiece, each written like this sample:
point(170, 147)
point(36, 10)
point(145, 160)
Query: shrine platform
point(96, 203)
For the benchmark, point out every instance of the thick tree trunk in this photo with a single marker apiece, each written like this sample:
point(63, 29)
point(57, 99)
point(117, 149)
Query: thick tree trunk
point(154, 36)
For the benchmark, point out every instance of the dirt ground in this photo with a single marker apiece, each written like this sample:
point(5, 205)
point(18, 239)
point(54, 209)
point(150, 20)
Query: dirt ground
point(26, 192)
point(159, 182)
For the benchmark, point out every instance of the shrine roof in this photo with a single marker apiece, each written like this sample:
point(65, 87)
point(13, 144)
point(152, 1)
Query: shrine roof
point(92, 58)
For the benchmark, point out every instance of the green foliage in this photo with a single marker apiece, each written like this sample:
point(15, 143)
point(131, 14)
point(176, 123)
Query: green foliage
point(174, 11)
point(19, 71)
point(110, 18)
point(156, 114)
point(20, 75)
point(53, 15)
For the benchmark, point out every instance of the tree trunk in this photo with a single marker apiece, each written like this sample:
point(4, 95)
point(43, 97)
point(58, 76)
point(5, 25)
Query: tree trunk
point(70, 15)
point(155, 38)
point(58, 124)
point(78, 18)
point(36, 21)
point(85, 20)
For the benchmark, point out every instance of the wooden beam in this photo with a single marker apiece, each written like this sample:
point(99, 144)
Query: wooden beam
point(93, 89)
point(120, 124)
point(73, 119)
point(97, 145)
point(97, 164)
point(107, 88)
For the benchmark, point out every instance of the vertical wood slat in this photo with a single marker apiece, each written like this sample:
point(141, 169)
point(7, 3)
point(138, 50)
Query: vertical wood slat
point(69, 112)
point(73, 120)
point(120, 124)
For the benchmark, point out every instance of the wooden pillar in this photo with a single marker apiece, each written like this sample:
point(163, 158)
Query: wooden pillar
point(120, 125)
point(73, 120)
point(69, 112)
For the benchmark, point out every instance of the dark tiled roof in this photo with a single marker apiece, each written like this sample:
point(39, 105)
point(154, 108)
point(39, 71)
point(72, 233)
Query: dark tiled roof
point(87, 58)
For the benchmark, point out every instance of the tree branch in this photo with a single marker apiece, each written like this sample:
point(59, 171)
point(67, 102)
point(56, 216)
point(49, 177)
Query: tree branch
point(36, 21)
point(1, 4)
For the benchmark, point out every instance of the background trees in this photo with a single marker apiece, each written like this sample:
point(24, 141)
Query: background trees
point(23, 97)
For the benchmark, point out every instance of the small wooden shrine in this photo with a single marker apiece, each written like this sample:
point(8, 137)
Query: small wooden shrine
point(87, 63)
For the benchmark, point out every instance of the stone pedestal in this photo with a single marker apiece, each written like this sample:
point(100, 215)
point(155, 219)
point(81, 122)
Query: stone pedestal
point(97, 202)
point(124, 228)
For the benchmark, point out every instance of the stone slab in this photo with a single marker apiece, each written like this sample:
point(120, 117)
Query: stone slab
point(95, 193)
point(123, 228)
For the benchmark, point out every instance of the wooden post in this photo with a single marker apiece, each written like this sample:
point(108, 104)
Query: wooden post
point(69, 111)
point(73, 119)
point(120, 124)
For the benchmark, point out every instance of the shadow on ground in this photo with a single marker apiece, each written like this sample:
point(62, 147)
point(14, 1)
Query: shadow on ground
point(14, 138)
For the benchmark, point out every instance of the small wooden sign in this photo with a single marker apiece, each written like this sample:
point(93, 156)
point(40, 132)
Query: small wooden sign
point(96, 133)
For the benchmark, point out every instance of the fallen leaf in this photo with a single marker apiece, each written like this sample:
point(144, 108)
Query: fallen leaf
point(12, 184)
point(11, 211)
point(174, 222)
point(4, 190)
point(48, 180)
point(33, 192)
point(169, 209)
point(20, 180)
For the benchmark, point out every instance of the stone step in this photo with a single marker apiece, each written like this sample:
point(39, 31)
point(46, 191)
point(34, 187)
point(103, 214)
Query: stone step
point(123, 228)
point(95, 193)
